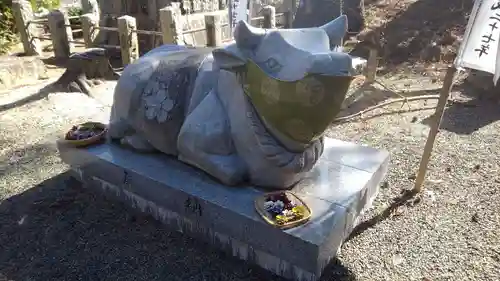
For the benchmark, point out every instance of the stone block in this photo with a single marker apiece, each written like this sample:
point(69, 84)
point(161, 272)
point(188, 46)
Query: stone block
point(20, 70)
point(197, 22)
point(341, 185)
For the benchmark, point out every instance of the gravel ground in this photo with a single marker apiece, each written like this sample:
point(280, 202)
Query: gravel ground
point(51, 229)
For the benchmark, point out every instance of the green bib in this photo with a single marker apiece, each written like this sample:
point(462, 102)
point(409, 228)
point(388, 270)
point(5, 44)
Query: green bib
point(300, 110)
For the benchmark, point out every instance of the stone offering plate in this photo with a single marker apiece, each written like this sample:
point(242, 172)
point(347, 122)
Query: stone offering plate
point(269, 218)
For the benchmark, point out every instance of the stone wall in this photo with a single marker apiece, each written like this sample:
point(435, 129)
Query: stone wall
point(145, 12)
point(20, 70)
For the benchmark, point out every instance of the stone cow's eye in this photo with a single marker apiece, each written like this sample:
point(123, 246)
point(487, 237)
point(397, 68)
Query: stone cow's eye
point(273, 65)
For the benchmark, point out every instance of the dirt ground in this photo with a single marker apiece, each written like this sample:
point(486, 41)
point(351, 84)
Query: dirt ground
point(52, 229)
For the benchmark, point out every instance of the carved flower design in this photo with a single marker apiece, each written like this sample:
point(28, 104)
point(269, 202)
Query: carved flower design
point(310, 91)
point(270, 89)
point(156, 102)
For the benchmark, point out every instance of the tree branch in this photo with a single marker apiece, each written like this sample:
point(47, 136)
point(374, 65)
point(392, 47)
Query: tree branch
point(406, 99)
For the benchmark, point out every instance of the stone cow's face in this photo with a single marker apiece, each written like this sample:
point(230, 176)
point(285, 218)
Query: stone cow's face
point(292, 77)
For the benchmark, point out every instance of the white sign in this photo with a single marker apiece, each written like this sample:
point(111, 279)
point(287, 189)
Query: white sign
point(479, 50)
point(238, 10)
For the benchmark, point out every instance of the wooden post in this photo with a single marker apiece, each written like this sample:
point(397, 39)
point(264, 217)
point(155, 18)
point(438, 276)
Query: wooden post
point(61, 34)
point(171, 25)
point(250, 11)
point(290, 8)
point(438, 116)
point(23, 14)
point(154, 14)
point(90, 22)
point(371, 65)
point(372, 38)
point(269, 17)
point(214, 30)
point(287, 19)
point(129, 45)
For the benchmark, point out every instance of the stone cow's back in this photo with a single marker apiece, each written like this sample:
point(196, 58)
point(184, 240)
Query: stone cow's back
point(153, 93)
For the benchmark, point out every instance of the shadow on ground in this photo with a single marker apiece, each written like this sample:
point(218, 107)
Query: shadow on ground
point(59, 231)
point(460, 117)
point(480, 108)
point(40, 95)
point(426, 29)
point(407, 197)
point(465, 118)
point(368, 95)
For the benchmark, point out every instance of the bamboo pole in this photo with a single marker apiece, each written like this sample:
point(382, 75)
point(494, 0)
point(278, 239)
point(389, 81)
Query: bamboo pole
point(438, 116)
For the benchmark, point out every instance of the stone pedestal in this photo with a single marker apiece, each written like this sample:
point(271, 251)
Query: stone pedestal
point(341, 185)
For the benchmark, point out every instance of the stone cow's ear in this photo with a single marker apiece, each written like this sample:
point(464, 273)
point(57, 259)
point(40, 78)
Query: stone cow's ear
point(336, 30)
point(247, 39)
point(229, 57)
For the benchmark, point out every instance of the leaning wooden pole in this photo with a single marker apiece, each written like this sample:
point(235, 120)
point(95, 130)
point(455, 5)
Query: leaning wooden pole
point(438, 116)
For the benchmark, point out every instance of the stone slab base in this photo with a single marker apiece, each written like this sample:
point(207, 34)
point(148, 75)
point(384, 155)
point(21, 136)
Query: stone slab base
point(342, 184)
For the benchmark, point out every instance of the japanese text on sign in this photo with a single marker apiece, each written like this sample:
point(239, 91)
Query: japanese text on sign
point(480, 46)
point(488, 38)
point(237, 11)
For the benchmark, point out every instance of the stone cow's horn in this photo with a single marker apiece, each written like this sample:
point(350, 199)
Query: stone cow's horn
point(247, 36)
point(336, 30)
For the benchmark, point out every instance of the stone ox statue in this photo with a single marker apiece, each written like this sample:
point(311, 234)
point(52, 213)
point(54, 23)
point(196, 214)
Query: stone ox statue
point(254, 110)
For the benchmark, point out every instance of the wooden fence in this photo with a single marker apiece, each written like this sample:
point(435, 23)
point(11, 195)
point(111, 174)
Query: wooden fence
point(215, 29)
point(175, 28)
